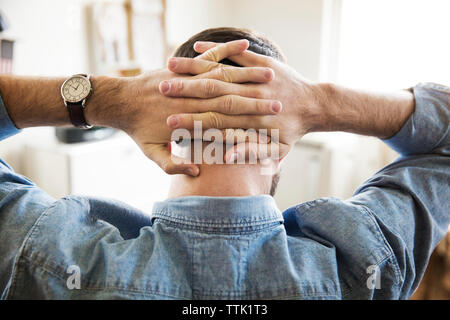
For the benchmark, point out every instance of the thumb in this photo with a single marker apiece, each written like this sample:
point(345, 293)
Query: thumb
point(171, 164)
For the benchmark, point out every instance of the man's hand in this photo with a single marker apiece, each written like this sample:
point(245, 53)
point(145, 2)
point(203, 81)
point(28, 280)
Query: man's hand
point(141, 110)
point(307, 106)
point(299, 97)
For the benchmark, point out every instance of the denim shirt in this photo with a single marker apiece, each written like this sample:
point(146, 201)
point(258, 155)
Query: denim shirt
point(375, 245)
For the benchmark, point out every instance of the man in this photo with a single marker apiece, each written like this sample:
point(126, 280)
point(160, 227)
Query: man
point(219, 243)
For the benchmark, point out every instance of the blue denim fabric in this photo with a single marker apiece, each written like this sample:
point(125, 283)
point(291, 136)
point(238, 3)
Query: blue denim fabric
point(375, 245)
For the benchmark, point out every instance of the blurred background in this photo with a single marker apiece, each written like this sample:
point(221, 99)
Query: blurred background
point(376, 45)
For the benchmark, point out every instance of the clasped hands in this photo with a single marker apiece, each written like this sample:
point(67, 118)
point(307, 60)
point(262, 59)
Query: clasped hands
point(263, 94)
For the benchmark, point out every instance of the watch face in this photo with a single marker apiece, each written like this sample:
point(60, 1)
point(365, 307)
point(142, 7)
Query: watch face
point(76, 89)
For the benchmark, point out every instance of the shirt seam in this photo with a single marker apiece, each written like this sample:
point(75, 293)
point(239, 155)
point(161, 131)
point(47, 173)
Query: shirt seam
point(200, 222)
point(254, 229)
point(250, 294)
point(98, 288)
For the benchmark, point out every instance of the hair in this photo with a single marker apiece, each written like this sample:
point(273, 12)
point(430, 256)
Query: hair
point(257, 43)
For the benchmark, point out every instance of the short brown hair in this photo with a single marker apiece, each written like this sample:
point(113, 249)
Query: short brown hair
point(257, 43)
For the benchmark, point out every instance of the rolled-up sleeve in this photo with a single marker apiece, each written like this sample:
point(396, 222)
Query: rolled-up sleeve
point(410, 198)
point(428, 127)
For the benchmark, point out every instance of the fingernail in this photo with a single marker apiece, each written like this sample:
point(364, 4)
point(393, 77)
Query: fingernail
point(172, 121)
point(276, 106)
point(172, 63)
point(165, 86)
point(268, 74)
point(245, 42)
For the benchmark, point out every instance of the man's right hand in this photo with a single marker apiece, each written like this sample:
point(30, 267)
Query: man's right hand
point(307, 106)
point(300, 99)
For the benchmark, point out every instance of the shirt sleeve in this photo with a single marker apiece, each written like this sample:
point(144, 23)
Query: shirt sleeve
point(21, 204)
point(7, 127)
point(410, 198)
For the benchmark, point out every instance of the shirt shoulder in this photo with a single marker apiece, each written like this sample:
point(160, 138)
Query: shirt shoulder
point(360, 245)
point(75, 232)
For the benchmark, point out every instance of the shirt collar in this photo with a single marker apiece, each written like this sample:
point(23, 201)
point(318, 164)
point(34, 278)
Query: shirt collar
point(219, 211)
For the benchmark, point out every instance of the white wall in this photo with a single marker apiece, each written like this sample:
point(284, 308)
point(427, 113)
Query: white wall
point(394, 44)
point(50, 36)
point(295, 25)
point(186, 18)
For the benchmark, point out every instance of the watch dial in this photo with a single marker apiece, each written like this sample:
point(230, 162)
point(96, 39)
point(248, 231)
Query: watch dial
point(76, 89)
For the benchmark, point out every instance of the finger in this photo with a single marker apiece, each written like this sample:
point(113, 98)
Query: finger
point(247, 58)
point(171, 164)
point(235, 136)
point(238, 75)
point(224, 50)
point(216, 120)
point(250, 59)
point(229, 136)
point(191, 66)
point(214, 70)
point(202, 46)
point(207, 88)
point(226, 108)
point(251, 152)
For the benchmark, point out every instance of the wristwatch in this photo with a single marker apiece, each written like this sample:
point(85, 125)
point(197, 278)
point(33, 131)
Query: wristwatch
point(75, 91)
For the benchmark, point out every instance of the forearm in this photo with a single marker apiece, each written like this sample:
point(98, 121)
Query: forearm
point(409, 198)
point(362, 112)
point(37, 101)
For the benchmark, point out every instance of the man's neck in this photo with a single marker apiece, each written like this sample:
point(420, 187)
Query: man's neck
point(222, 181)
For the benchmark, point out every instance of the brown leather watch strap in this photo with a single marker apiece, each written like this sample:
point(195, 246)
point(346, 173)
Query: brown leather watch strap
point(76, 114)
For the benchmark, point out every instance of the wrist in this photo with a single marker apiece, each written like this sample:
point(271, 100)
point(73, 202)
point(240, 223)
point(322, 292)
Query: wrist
point(346, 110)
point(318, 113)
point(332, 108)
point(104, 107)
